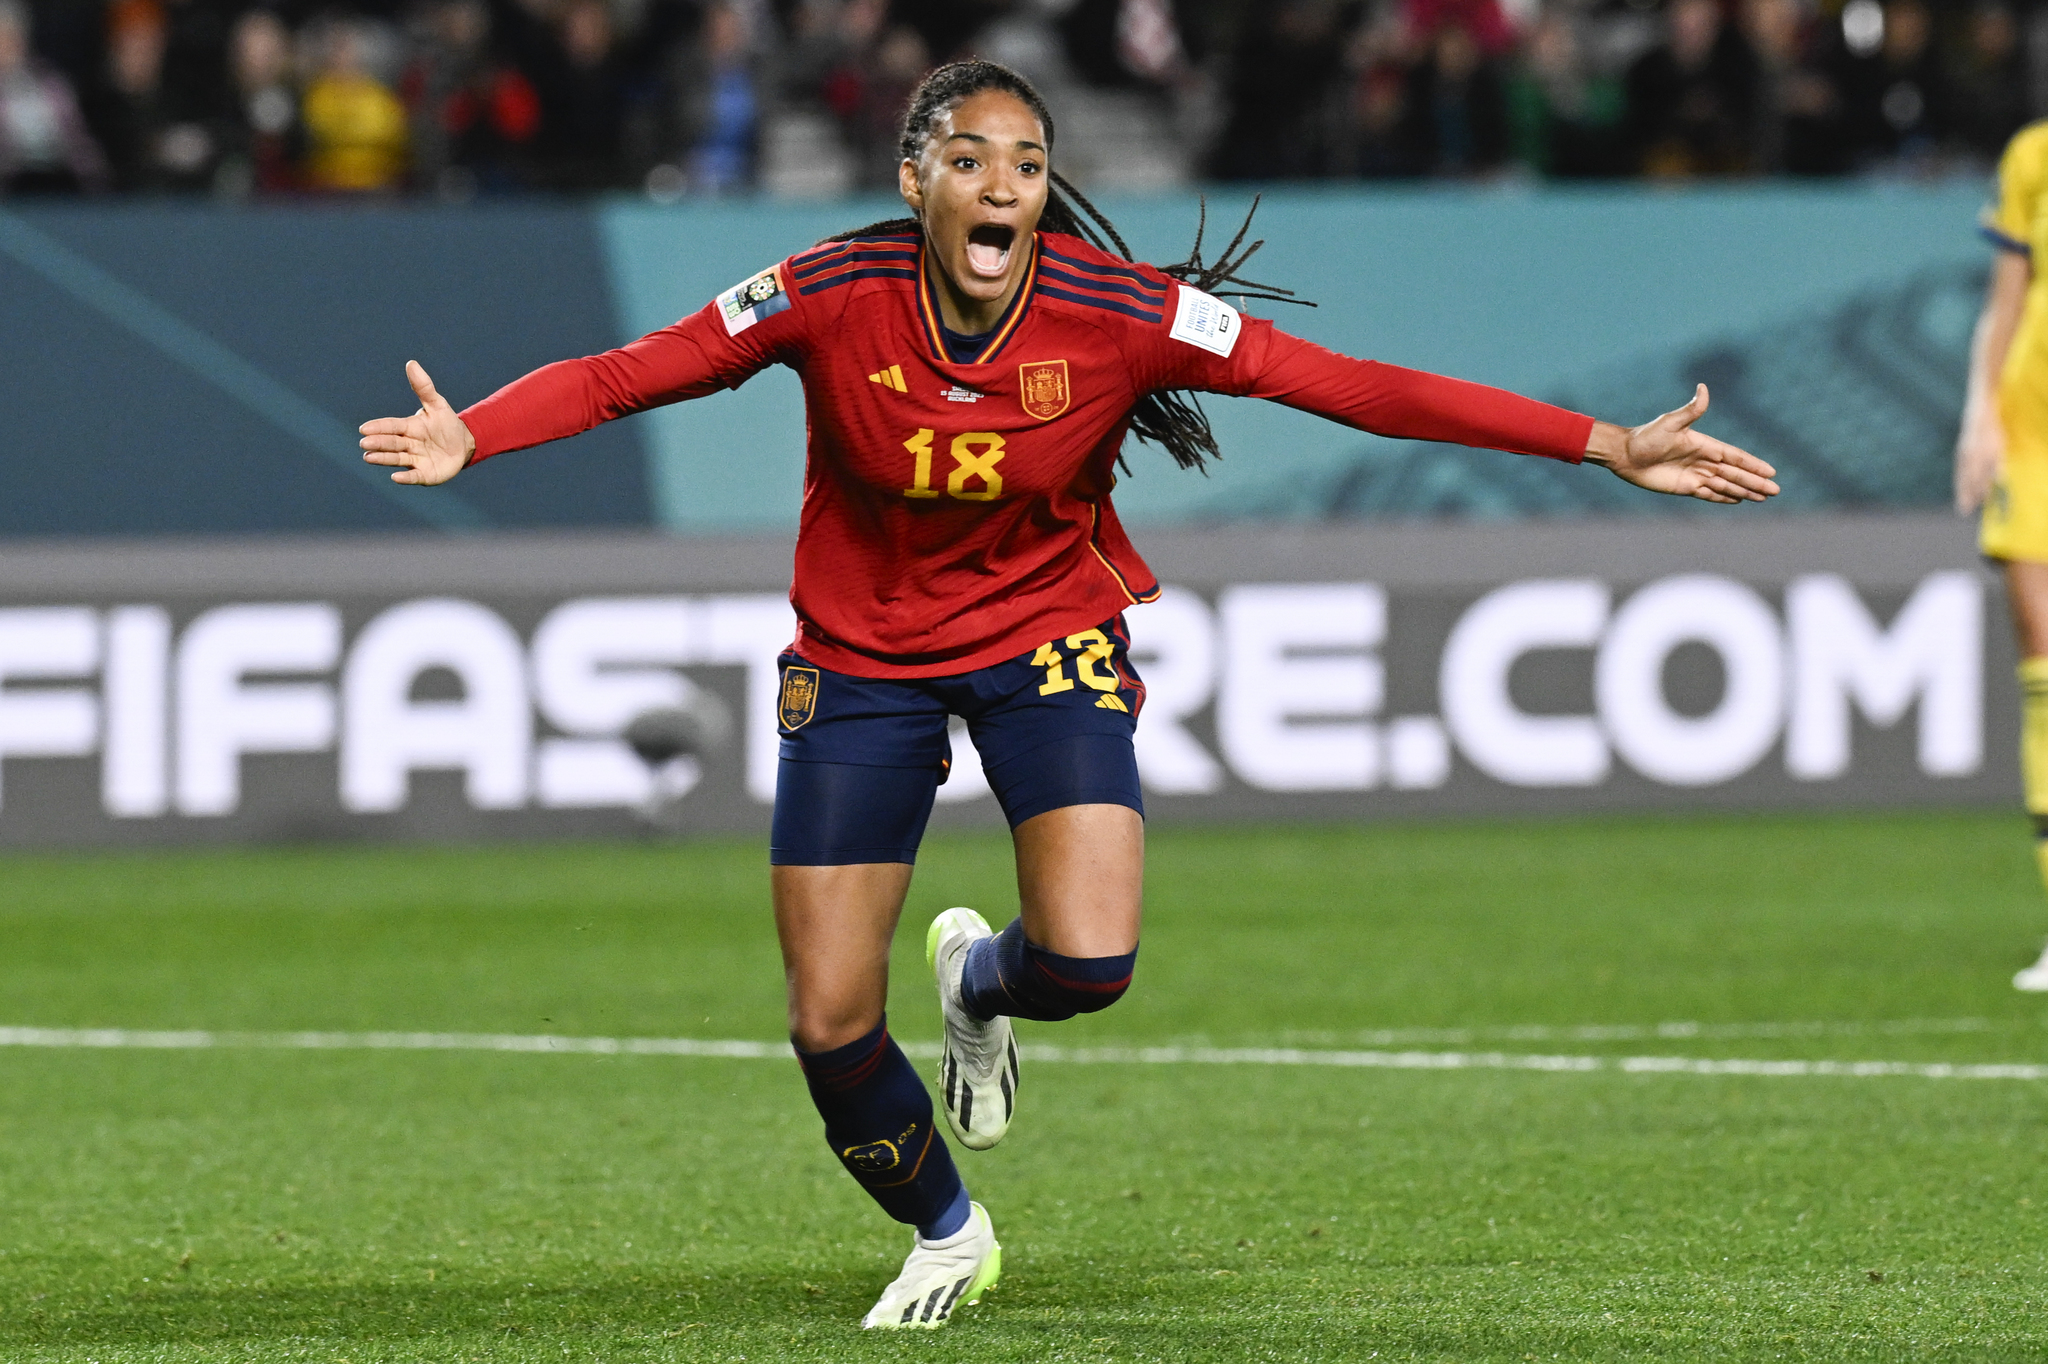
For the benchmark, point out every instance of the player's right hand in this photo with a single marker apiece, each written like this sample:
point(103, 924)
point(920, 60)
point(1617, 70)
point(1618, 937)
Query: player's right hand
point(431, 446)
point(1980, 458)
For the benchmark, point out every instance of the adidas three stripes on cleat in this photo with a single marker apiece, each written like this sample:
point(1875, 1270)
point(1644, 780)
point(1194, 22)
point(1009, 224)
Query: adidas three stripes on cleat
point(978, 1065)
point(939, 1278)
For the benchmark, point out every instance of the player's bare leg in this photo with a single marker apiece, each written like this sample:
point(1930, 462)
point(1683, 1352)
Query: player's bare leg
point(1081, 879)
point(836, 924)
point(2026, 590)
point(1080, 885)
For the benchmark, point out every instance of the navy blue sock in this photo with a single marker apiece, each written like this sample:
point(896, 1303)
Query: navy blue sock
point(878, 1121)
point(1009, 974)
point(951, 1220)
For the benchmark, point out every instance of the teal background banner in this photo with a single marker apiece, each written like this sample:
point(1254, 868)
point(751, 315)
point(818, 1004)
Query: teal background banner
point(170, 370)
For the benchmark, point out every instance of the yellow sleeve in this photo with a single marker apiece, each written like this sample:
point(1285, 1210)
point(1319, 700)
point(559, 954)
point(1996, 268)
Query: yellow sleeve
point(2009, 223)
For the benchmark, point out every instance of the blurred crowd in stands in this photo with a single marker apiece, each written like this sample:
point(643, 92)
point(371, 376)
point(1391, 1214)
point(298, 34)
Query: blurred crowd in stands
point(459, 98)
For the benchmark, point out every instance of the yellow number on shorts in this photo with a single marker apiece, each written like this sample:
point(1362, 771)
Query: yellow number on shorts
point(1056, 679)
point(1094, 649)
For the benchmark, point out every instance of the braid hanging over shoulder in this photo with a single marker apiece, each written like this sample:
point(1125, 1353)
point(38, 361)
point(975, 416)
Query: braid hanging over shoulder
point(1174, 421)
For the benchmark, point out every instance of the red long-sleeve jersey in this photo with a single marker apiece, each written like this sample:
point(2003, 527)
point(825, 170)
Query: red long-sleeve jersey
point(957, 514)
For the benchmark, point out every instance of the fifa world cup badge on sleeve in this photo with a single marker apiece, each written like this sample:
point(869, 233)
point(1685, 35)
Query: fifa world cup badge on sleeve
point(799, 696)
point(755, 300)
point(1205, 321)
point(1042, 388)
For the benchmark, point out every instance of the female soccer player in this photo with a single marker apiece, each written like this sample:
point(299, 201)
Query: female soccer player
point(970, 374)
point(2002, 453)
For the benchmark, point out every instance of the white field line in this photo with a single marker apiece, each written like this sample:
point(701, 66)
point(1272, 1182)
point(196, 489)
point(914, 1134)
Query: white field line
point(194, 1040)
point(1642, 1032)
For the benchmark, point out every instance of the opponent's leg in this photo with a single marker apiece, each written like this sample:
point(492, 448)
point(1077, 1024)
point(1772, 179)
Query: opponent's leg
point(2027, 591)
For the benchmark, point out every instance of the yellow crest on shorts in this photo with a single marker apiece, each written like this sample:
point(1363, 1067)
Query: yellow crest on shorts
point(799, 696)
point(1042, 388)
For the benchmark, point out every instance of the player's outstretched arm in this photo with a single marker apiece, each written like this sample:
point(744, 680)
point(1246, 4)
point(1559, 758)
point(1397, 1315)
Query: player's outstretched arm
point(431, 446)
point(1667, 456)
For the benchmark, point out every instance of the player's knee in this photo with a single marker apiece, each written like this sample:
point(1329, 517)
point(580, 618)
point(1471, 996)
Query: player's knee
point(815, 1028)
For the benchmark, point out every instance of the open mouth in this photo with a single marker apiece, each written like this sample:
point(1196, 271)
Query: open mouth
point(988, 249)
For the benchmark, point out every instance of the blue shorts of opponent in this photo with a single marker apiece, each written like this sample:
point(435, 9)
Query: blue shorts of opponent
point(862, 757)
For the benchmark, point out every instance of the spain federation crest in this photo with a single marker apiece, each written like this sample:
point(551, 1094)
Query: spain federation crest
point(875, 1158)
point(799, 696)
point(1042, 388)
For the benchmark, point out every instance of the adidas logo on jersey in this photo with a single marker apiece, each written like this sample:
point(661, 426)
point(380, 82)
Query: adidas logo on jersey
point(891, 377)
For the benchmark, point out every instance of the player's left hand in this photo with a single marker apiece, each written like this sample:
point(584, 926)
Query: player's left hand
point(1667, 456)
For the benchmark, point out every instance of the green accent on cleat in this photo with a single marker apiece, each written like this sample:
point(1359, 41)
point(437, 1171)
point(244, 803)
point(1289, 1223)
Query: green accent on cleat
point(984, 1281)
point(931, 941)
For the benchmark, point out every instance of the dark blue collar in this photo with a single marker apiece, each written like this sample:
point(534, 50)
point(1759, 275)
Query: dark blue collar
point(962, 350)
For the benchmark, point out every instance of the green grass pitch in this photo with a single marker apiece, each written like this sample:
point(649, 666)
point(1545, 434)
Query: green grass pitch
point(245, 1204)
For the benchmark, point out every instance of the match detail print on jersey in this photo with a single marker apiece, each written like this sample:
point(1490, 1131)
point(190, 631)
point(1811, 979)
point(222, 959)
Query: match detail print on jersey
point(755, 300)
point(1205, 321)
point(1042, 388)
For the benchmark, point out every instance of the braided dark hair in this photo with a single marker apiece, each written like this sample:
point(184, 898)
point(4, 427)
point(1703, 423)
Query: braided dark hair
point(1175, 420)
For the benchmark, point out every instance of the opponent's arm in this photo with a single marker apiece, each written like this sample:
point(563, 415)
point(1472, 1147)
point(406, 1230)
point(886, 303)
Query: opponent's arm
point(1980, 444)
point(1665, 455)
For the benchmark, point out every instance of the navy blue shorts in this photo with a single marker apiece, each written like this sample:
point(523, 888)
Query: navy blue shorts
point(863, 757)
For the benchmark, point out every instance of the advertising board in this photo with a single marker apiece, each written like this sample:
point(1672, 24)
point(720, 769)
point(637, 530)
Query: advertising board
point(478, 687)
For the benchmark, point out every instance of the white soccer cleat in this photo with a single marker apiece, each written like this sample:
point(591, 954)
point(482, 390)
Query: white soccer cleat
point(2034, 979)
point(978, 1067)
point(940, 1277)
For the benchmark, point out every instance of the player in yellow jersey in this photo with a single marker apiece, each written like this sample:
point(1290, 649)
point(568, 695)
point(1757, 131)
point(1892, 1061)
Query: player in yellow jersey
point(2002, 452)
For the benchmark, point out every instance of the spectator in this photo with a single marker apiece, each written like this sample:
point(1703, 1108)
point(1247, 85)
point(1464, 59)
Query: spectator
point(1567, 119)
point(948, 27)
point(1124, 43)
point(1374, 136)
point(819, 61)
point(1692, 99)
point(355, 126)
point(129, 113)
point(44, 145)
point(1987, 82)
point(898, 62)
point(1798, 114)
point(265, 144)
point(1286, 72)
point(579, 75)
point(1892, 88)
point(715, 96)
point(584, 80)
point(474, 117)
point(1483, 21)
point(580, 95)
point(1457, 106)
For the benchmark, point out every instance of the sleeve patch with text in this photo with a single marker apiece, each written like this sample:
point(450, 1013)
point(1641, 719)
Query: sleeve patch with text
point(1205, 321)
point(754, 300)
